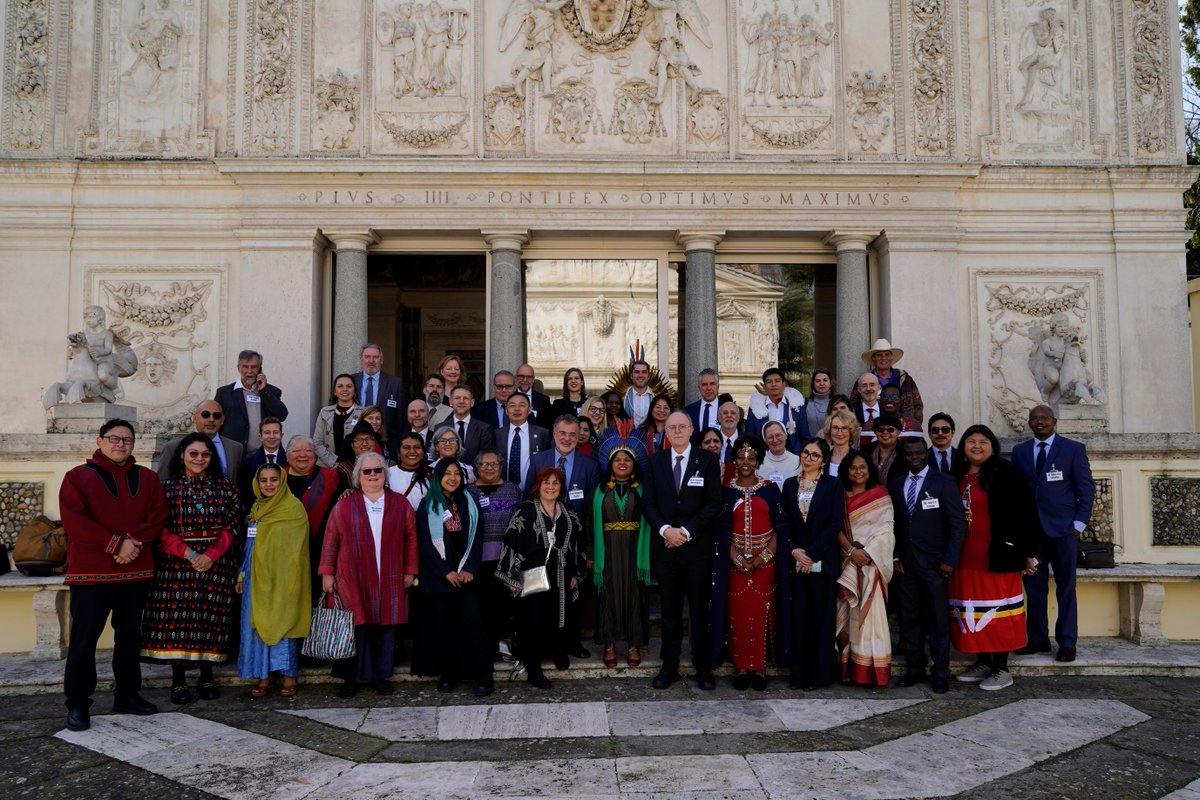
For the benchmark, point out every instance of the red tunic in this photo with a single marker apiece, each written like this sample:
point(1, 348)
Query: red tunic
point(751, 597)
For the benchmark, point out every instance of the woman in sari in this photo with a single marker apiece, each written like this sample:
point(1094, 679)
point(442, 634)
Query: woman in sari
point(744, 597)
point(867, 541)
point(274, 584)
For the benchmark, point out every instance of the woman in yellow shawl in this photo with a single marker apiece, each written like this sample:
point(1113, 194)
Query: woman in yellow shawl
point(274, 583)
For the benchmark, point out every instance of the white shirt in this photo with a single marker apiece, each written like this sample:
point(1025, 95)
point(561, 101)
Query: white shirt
point(871, 412)
point(641, 404)
point(712, 414)
point(778, 412)
point(375, 517)
point(402, 481)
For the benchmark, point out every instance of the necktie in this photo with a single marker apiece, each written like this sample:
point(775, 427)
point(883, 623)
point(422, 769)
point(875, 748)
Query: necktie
point(1040, 466)
point(678, 473)
point(704, 420)
point(270, 458)
point(369, 392)
point(945, 463)
point(562, 465)
point(514, 458)
point(911, 497)
point(870, 414)
point(462, 432)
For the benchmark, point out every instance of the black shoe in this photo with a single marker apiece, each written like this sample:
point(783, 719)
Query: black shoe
point(483, 689)
point(181, 695)
point(347, 690)
point(706, 681)
point(758, 681)
point(134, 705)
point(381, 686)
point(579, 651)
point(445, 686)
point(1065, 654)
point(539, 680)
point(562, 662)
point(911, 679)
point(78, 719)
point(665, 678)
point(940, 685)
point(741, 681)
point(207, 690)
point(1030, 649)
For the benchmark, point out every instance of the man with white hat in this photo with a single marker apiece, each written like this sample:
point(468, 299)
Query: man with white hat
point(880, 358)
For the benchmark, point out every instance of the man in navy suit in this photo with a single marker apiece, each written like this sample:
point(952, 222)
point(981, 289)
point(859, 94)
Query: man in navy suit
point(374, 387)
point(492, 411)
point(473, 434)
point(519, 441)
point(703, 412)
point(1058, 472)
point(270, 433)
point(941, 433)
point(539, 403)
point(930, 529)
point(249, 401)
point(683, 498)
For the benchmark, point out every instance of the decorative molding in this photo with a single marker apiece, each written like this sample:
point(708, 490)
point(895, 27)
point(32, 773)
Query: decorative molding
point(1152, 103)
point(422, 130)
point(29, 31)
point(930, 47)
point(336, 101)
point(797, 133)
point(271, 45)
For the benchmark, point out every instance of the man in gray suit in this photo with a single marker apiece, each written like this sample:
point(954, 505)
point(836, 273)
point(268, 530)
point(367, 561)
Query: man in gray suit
point(518, 440)
point(207, 419)
point(475, 434)
point(374, 387)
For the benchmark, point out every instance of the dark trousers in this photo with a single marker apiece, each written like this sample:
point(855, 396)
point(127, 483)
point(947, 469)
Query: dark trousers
point(538, 632)
point(374, 655)
point(90, 609)
point(459, 648)
point(814, 629)
point(924, 612)
point(680, 578)
point(497, 607)
point(1058, 553)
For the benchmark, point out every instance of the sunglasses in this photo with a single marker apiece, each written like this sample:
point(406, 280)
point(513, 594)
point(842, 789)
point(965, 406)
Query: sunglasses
point(504, 385)
point(371, 470)
point(211, 415)
point(885, 429)
point(201, 456)
point(941, 429)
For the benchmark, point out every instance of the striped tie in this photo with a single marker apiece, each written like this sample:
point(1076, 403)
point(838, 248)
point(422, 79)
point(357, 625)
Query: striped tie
point(911, 498)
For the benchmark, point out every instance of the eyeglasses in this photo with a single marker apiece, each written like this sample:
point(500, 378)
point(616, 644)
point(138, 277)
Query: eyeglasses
point(203, 456)
point(504, 385)
point(809, 454)
point(677, 428)
point(211, 415)
point(127, 441)
point(489, 465)
point(941, 429)
point(371, 470)
point(885, 429)
point(524, 377)
point(447, 441)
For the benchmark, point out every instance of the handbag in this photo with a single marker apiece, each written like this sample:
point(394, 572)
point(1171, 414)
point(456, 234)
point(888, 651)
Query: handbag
point(40, 549)
point(331, 636)
point(1093, 553)
point(536, 580)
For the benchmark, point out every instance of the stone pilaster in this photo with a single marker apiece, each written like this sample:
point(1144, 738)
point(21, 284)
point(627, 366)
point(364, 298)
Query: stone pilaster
point(853, 304)
point(506, 345)
point(349, 296)
point(699, 307)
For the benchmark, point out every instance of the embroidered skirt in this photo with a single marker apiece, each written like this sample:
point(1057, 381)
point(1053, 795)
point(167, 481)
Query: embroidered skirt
point(189, 614)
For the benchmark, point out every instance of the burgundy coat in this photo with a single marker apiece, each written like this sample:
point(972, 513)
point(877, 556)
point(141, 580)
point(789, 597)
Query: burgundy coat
point(376, 596)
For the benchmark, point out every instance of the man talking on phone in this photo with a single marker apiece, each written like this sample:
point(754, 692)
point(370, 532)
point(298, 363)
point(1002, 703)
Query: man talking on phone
point(249, 401)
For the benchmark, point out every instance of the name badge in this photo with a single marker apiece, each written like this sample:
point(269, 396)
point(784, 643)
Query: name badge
point(391, 403)
point(695, 480)
point(446, 515)
point(575, 494)
point(930, 503)
point(805, 497)
point(1054, 475)
point(253, 398)
point(484, 501)
point(251, 530)
point(776, 478)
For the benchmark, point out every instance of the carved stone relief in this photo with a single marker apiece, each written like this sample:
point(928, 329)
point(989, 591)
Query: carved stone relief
point(272, 46)
point(573, 113)
point(1041, 342)
point(337, 98)
point(635, 114)
point(28, 63)
point(174, 320)
point(930, 48)
point(1152, 100)
point(504, 121)
point(788, 64)
point(869, 100)
point(708, 122)
point(422, 77)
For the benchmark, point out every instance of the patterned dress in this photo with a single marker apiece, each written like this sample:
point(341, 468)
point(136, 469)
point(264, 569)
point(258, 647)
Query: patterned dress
point(189, 614)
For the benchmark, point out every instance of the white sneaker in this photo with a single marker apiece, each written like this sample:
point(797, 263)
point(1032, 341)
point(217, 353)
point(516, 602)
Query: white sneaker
point(974, 673)
point(999, 679)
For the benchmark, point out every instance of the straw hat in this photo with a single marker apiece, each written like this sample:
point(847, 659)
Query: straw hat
point(881, 344)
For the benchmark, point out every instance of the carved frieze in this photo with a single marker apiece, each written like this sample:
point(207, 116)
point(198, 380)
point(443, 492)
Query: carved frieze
point(174, 320)
point(337, 98)
point(869, 100)
point(930, 50)
point(1152, 100)
point(28, 63)
point(272, 44)
point(604, 26)
point(422, 77)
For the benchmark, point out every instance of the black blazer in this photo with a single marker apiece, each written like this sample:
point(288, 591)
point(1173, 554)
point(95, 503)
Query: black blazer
point(693, 507)
point(233, 403)
point(816, 536)
point(930, 536)
point(489, 412)
point(898, 469)
point(1012, 514)
point(539, 410)
point(480, 435)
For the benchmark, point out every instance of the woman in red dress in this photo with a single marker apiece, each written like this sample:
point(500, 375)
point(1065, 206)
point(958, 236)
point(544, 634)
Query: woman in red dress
point(987, 605)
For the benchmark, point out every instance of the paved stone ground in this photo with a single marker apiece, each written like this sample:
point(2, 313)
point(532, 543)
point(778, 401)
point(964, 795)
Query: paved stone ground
point(1045, 737)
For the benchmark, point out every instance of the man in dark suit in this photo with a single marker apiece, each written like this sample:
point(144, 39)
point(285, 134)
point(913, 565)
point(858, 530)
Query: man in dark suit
point(703, 412)
point(207, 419)
point(539, 403)
point(492, 410)
point(683, 498)
point(270, 432)
point(374, 387)
point(729, 420)
point(249, 401)
point(867, 409)
point(1058, 471)
point(941, 433)
point(930, 529)
point(519, 440)
point(418, 423)
point(473, 434)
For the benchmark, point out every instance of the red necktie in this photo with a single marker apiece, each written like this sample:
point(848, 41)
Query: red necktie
point(270, 458)
point(945, 464)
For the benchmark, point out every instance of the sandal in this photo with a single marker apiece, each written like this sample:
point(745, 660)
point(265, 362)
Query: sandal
point(289, 689)
point(261, 689)
point(634, 658)
point(610, 656)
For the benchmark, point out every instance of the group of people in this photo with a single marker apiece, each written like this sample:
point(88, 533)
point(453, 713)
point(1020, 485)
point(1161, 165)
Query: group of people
point(458, 524)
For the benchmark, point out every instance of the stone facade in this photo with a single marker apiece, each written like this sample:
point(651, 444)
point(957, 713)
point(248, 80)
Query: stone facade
point(19, 503)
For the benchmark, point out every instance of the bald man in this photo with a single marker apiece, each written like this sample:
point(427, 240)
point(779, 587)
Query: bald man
point(207, 419)
point(867, 409)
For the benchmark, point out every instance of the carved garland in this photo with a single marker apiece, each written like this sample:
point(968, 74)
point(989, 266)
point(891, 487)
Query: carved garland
point(626, 36)
point(434, 133)
point(802, 135)
point(931, 74)
point(29, 81)
point(1022, 300)
point(1150, 110)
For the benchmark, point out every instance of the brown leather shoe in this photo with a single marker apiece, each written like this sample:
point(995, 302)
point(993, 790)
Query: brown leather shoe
point(634, 658)
point(610, 656)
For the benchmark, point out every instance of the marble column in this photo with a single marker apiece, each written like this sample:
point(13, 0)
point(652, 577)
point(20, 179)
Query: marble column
point(506, 325)
point(349, 296)
point(853, 304)
point(699, 312)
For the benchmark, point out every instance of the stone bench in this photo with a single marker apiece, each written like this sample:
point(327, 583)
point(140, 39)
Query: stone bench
point(50, 611)
point(1140, 592)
